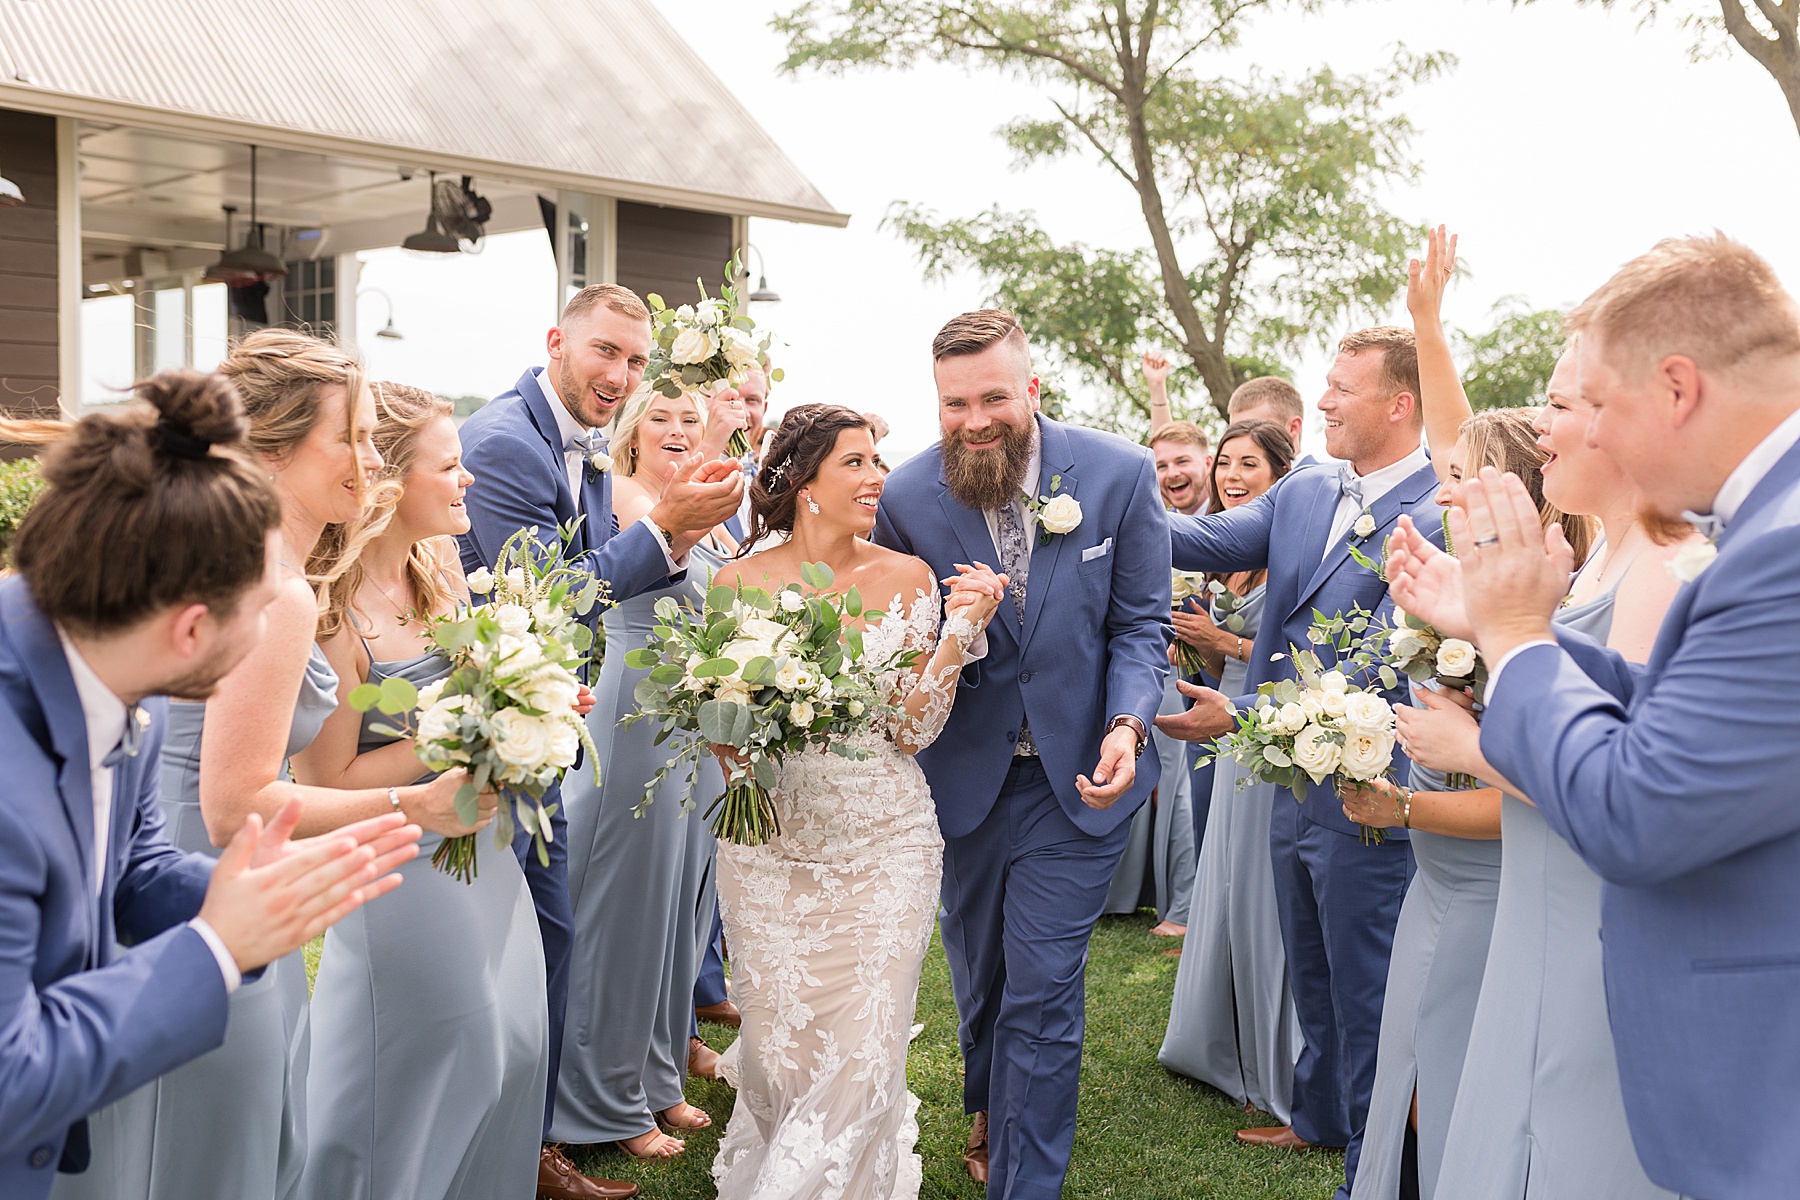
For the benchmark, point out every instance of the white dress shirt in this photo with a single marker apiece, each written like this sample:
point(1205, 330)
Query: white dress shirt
point(1375, 485)
point(567, 427)
point(1732, 493)
point(106, 715)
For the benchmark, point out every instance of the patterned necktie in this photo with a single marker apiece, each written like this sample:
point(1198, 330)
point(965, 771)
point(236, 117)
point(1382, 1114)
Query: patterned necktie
point(1352, 484)
point(1710, 525)
point(1015, 556)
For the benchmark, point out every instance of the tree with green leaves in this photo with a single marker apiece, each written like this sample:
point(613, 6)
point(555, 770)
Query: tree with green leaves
point(1261, 198)
point(1510, 363)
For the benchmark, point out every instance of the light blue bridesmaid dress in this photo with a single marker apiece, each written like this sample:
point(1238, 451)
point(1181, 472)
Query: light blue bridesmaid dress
point(231, 1125)
point(1434, 980)
point(1160, 851)
point(1232, 1022)
point(430, 1043)
point(1540, 1114)
point(643, 891)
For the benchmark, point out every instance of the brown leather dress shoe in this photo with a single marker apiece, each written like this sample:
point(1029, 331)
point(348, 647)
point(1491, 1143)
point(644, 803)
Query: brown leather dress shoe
point(975, 1157)
point(723, 1013)
point(703, 1060)
point(559, 1180)
point(1282, 1137)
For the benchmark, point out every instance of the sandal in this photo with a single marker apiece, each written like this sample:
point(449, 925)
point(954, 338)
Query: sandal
point(652, 1145)
point(685, 1116)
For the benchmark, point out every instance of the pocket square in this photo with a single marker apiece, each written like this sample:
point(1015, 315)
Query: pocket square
point(1093, 552)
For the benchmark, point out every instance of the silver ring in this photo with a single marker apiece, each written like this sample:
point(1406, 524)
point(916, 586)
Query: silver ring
point(1489, 540)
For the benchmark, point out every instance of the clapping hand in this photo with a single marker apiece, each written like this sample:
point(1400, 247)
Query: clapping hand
point(1515, 572)
point(975, 592)
point(701, 493)
point(1427, 582)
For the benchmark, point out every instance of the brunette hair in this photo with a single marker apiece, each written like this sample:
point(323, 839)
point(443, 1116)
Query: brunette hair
point(1185, 432)
point(973, 332)
point(1715, 300)
point(1399, 358)
point(801, 445)
point(621, 300)
point(1271, 437)
point(1280, 395)
point(148, 505)
point(1504, 438)
point(402, 413)
point(621, 443)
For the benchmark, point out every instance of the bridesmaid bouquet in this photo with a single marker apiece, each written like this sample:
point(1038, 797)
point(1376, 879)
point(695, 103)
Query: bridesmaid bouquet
point(705, 347)
point(1185, 586)
point(506, 711)
point(766, 674)
point(1313, 727)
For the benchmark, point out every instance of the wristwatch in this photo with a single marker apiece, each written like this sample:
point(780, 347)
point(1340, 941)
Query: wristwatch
point(1136, 726)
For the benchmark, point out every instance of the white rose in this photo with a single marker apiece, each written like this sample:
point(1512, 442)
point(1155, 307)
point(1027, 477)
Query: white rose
point(743, 650)
point(515, 579)
point(1315, 752)
point(1333, 681)
point(823, 690)
point(518, 653)
point(1060, 514)
point(685, 312)
point(1309, 704)
point(692, 346)
point(733, 691)
point(429, 694)
point(1291, 718)
point(709, 312)
point(792, 601)
point(513, 618)
point(600, 460)
point(740, 352)
point(1366, 712)
point(763, 630)
point(1398, 639)
point(520, 740)
point(482, 581)
point(789, 676)
point(1332, 704)
point(442, 719)
point(552, 689)
point(1456, 658)
point(1180, 587)
point(1366, 754)
point(1365, 525)
point(565, 744)
point(854, 708)
point(801, 713)
point(1693, 557)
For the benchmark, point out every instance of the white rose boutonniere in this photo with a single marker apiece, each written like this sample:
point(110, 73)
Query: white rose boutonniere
point(1687, 563)
point(1365, 525)
point(1057, 513)
point(600, 461)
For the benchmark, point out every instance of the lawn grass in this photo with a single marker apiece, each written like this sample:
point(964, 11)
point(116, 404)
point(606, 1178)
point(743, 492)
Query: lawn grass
point(1142, 1132)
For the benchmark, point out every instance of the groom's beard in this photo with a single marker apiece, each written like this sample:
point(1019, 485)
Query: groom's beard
point(986, 479)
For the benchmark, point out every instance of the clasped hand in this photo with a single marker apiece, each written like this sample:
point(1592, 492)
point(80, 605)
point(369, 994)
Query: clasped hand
point(975, 593)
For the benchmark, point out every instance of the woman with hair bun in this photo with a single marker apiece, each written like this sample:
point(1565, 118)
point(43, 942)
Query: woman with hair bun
point(232, 1125)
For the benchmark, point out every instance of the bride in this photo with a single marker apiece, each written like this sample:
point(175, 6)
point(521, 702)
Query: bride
point(828, 923)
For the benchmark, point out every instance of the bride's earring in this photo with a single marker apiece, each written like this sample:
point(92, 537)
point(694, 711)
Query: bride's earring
point(812, 505)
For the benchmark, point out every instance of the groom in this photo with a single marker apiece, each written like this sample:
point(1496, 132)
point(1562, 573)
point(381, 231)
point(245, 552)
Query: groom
point(1071, 677)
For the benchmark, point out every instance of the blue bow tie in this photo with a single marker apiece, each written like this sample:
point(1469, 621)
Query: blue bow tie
point(589, 442)
point(1352, 484)
point(137, 723)
point(1709, 524)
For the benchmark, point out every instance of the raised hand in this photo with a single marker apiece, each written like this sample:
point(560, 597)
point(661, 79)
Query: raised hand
point(1515, 572)
point(701, 493)
point(1427, 582)
point(1156, 368)
point(1426, 281)
point(725, 415)
point(269, 896)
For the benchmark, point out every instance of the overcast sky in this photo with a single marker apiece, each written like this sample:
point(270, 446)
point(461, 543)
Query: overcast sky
point(1566, 140)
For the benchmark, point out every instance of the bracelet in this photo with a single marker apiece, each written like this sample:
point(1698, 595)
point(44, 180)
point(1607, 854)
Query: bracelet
point(1240, 656)
point(1406, 808)
point(394, 798)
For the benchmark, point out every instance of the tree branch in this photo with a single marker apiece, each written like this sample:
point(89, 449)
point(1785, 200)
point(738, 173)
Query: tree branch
point(1779, 56)
point(1093, 141)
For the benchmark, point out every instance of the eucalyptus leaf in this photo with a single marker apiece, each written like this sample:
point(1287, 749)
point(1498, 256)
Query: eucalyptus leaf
point(364, 696)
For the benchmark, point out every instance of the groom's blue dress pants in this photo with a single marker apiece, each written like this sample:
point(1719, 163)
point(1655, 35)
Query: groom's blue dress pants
point(556, 925)
point(1021, 894)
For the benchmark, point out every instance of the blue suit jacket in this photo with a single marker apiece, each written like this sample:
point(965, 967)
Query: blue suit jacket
point(513, 448)
point(1093, 645)
point(1284, 530)
point(1679, 783)
point(78, 1027)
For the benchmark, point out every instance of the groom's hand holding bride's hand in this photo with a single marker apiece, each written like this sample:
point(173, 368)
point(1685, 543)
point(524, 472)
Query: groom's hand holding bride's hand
point(975, 592)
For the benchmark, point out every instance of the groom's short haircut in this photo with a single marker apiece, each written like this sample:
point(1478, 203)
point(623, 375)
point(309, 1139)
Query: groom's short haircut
point(621, 300)
point(1710, 298)
point(973, 332)
point(1399, 358)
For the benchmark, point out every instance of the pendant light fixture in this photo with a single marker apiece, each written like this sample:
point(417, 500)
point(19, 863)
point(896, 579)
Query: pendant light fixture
point(432, 239)
point(247, 264)
point(10, 193)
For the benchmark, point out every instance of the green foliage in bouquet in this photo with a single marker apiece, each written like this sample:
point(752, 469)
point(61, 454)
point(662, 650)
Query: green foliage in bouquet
point(766, 674)
point(701, 347)
point(506, 710)
point(20, 486)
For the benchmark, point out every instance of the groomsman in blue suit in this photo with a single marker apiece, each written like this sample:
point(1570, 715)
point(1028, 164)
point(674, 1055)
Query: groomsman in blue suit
point(1037, 773)
point(539, 461)
point(1338, 896)
point(121, 597)
point(1677, 781)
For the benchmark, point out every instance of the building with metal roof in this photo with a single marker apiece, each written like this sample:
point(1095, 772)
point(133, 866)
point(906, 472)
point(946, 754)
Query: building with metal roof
point(129, 126)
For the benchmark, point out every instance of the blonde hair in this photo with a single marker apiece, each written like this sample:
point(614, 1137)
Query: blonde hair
point(402, 414)
point(622, 441)
point(1505, 439)
point(1185, 432)
point(1709, 298)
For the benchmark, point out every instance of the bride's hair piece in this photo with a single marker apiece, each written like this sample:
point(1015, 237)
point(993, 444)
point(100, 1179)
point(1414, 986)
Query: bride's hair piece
point(147, 505)
point(806, 438)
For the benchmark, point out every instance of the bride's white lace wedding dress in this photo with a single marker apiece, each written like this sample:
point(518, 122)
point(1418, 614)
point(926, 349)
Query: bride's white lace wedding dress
point(828, 926)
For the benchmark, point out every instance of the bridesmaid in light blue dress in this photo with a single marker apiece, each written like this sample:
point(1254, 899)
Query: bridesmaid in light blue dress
point(430, 1044)
point(640, 876)
point(1232, 1022)
point(1160, 850)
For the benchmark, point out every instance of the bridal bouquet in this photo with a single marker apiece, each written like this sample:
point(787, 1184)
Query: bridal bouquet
point(705, 347)
point(506, 711)
point(1313, 727)
point(768, 675)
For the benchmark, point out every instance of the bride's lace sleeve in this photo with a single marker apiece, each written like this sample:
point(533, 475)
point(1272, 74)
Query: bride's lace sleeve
point(928, 692)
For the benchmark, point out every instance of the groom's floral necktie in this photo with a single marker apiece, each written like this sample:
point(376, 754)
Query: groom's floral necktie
point(1015, 557)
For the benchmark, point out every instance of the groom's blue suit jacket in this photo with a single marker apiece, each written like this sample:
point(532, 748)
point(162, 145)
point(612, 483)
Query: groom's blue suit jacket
point(1284, 530)
point(1679, 783)
point(1093, 645)
point(79, 1028)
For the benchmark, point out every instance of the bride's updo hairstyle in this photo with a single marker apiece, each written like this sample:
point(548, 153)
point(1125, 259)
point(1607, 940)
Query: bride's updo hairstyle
point(807, 436)
point(151, 504)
